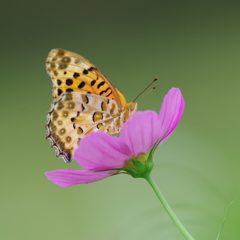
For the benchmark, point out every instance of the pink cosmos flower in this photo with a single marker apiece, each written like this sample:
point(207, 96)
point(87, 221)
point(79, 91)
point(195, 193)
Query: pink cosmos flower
point(102, 155)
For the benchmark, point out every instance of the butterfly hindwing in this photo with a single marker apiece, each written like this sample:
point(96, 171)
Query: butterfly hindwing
point(76, 114)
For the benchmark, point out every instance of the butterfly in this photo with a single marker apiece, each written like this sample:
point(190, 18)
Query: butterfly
point(84, 101)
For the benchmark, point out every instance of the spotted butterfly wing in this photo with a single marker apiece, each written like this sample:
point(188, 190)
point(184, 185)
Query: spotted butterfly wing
point(84, 100)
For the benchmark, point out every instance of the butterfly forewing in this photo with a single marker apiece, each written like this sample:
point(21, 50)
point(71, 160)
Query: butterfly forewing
point(71, 72)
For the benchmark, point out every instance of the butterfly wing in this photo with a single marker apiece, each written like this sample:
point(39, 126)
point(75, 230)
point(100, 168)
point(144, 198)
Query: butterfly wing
point(76, 114)
point(71, 72)
point(84, 101)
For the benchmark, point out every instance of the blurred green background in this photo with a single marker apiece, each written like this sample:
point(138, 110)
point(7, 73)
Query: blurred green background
point(193, 45)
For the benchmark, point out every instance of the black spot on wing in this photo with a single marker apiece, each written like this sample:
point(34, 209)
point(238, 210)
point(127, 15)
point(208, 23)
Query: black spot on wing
point(100, 84)
point(93, 82)
point(59, 91)
point(102, 92)
point(69, 82)
point(82, 107)
point(59, 82)
point(75, 75)
point(109, 94)
point(69, 90)
point(81, 85)
point(91, 68)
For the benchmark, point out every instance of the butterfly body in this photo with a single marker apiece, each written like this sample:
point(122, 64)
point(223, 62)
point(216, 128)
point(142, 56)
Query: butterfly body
point(84, 101)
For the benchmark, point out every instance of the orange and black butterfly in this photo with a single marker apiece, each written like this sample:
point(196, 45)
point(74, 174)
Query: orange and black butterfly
point(84, 100)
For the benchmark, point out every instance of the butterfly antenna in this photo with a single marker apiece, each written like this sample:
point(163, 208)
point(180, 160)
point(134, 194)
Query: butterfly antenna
point(145, 90)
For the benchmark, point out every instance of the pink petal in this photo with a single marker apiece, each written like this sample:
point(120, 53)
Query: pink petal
point(99, 150)
point(67, 178)
point(139, 133)
point(171, 112)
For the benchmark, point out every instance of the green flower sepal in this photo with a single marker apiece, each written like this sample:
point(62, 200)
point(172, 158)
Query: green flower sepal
point(139, 167)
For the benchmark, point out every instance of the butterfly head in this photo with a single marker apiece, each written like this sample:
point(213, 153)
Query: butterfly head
point(132, 108)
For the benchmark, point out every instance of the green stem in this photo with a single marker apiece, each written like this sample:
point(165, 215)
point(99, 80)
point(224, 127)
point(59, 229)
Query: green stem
point(169, 210)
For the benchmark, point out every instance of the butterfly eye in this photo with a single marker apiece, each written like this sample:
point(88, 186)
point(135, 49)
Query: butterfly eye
point(132, 107)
